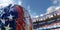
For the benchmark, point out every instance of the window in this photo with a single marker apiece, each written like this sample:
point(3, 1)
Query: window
point(51, 16)
point(58, 13)
point(58, 18)
point(54, 14)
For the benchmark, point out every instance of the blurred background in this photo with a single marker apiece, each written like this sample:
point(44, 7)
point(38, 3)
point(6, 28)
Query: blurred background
point(45, 14)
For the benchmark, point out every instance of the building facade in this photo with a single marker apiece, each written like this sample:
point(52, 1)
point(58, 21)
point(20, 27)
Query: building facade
point(48, 21)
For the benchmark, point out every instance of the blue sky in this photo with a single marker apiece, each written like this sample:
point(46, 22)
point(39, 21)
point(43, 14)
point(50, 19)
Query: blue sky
point(40, 7)
point(35, 7)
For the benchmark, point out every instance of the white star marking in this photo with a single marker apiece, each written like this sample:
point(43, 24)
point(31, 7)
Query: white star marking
point(7, 27)
point(10, 17)
point(3, 21)
point(2, 12)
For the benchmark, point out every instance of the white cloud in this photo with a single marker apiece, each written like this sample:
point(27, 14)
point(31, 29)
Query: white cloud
point(57, 8)
point(41, 14)
point(54, 8)
point(35, 16)
point(50, 9)
point(19, 2)
point(55, 2)
point(4, 3)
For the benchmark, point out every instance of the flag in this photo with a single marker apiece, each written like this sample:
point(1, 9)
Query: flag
point(12, 18)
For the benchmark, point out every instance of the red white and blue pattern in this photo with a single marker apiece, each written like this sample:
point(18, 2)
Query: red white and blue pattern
point(10, 18)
